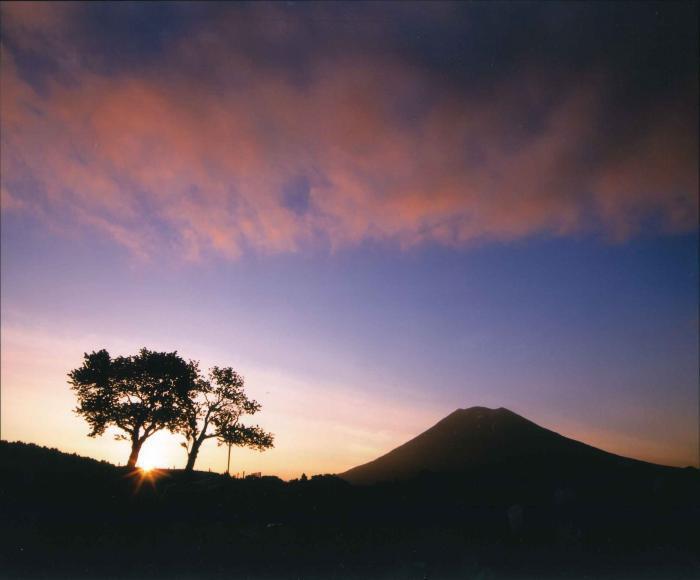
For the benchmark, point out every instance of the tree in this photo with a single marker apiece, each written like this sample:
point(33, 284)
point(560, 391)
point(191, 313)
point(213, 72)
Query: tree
point(138, 394)
point(214, 409)
point(234, 433)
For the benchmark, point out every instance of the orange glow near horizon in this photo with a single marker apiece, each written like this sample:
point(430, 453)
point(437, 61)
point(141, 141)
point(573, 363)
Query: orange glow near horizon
point(354, 430)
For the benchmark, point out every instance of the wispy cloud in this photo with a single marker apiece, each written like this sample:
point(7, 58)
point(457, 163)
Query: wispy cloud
point(194, 153)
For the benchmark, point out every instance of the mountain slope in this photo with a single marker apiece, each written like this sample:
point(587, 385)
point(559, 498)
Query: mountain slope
point(479, 440)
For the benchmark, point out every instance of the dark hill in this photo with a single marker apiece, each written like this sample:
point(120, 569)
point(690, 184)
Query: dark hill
point(31, 458)
point(481, 441)
point(28, 465)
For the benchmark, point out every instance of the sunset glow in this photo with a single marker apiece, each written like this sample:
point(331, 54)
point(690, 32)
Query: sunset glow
point(154, 455)
point(376, 213)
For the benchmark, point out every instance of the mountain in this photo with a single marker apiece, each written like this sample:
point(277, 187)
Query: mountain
point(484, 442)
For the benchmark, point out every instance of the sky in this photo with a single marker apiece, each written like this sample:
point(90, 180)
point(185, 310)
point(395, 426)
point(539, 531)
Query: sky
point(376, 212)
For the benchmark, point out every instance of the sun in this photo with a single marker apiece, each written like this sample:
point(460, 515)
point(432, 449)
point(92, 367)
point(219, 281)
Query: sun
point(153, 460)
point(147, 462)
point(160, 451)
point(149, 458)
point(155, 454)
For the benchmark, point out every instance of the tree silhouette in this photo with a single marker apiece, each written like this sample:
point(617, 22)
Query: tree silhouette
point(232, 432)
point(138, 394)
point(214, 409)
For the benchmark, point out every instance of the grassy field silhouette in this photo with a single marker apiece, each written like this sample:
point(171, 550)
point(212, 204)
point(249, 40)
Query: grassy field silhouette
point(73, 517)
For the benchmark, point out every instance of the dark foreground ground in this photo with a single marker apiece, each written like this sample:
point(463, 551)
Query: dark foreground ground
point(64, 516)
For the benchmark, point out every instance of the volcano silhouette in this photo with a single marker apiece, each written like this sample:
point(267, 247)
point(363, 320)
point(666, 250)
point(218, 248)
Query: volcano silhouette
point(497, 442)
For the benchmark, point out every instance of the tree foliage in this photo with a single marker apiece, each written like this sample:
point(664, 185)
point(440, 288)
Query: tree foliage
point(150, 391)
point(214, 410)
point(138, 394)
point(239, 435)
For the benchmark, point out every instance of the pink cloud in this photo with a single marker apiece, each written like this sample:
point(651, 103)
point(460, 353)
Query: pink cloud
point(162, 163)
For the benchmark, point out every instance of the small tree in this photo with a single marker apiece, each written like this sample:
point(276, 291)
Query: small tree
point(234, 433)
point(138, 394)
point(214, 408)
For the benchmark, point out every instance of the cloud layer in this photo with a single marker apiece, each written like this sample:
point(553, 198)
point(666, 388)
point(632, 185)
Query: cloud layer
point(194, 131)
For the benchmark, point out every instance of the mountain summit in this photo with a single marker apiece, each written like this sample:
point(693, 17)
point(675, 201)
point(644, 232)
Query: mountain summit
point(479, 440)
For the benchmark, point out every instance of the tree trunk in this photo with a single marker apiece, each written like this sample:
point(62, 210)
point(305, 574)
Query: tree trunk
point(135, 449)
point(192, 455)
